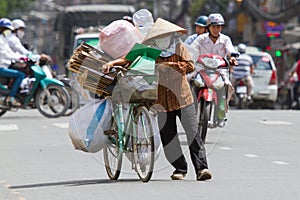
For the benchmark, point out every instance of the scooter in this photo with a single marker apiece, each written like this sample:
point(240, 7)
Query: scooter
point(74, 96)
point(241, 94)
point(212, 92)
point(48, 95)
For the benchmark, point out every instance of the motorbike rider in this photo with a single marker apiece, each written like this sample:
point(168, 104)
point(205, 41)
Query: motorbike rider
point(215, 42)
point(244, 69)
point(7, 58)
point(14, 39)
point(200, 28)
point(295, 69)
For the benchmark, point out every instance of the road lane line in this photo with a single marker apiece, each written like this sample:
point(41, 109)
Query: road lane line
point(61, 125)
point(225, 148)
point(279, 162)
point(251, 155)
point(266, 122)
point(8, 127)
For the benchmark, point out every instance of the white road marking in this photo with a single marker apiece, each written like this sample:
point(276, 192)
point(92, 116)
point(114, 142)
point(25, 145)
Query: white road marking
point(8, 127)
point(266, 122)
point(251, 155)
point(279, 162)
point(62, 125)
point(225, 148)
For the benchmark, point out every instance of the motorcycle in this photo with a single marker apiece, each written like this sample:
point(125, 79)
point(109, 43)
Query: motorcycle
point(48, 95)
point(212, 91)
point(74, 96)
point(241, 93)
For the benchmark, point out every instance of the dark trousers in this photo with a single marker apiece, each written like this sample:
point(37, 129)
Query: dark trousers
point(295, 90)
point(170, 140)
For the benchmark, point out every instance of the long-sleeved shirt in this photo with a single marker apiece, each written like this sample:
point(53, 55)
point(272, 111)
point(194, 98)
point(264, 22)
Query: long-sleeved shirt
point(173, 89)
point(6, 54)
point(189, 40)
point(205, 45)
point(16, 45)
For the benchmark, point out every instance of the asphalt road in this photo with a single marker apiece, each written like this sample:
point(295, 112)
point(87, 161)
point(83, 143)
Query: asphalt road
point(255, 156)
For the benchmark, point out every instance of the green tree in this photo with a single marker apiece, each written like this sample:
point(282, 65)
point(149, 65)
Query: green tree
point(7, 7)
point(196, 8)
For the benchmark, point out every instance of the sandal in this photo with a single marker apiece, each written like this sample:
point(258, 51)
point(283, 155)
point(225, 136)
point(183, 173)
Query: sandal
point(13, 102)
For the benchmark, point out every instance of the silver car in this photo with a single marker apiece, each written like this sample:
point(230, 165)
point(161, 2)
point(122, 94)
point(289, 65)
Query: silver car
point(265, 80)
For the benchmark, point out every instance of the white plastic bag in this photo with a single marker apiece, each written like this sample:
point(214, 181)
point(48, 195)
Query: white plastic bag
point(87, 125)
point(143, 20)
point(118, 38)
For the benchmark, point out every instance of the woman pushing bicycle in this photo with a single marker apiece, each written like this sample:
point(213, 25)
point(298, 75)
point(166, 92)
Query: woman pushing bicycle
point(174, 99)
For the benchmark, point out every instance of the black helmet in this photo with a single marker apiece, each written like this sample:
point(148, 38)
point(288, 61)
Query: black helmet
point(201, 21)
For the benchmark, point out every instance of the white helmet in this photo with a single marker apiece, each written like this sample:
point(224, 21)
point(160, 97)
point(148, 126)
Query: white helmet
point(18, 23)
point(6, 23)
point(242, 48)
point(215, 19)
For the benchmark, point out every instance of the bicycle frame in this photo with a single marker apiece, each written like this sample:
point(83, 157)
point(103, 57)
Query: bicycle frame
point(123, 126)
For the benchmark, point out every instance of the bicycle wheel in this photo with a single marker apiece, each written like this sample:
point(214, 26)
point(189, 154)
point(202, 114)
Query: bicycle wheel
point(113, 157)
point(143, 144)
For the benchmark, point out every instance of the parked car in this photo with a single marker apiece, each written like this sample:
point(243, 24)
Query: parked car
point(265, 80)
point(89, 38)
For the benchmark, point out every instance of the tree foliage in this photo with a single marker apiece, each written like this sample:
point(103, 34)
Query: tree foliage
point(206, 7)
point(8, 7)
point(196, 8)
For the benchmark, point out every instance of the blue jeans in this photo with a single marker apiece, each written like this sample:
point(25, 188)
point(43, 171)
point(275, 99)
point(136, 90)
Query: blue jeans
point(12, 73)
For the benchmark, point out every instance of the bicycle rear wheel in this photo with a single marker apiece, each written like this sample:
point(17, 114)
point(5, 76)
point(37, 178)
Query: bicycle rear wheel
point(143, 144)
point(113, 157)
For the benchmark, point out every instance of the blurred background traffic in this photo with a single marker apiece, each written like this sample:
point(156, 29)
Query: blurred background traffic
point(270, 26)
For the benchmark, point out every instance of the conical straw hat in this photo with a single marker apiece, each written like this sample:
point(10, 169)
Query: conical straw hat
point(161, 27)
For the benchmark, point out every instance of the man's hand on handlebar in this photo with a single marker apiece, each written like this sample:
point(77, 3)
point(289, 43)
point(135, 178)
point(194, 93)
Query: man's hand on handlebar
point(233, 61)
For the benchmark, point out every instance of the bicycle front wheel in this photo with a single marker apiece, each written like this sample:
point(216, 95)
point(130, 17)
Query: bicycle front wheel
point(143, 144)
point(113, 156)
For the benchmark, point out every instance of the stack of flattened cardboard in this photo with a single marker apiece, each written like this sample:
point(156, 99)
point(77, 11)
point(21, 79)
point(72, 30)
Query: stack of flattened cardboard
point(87, 63)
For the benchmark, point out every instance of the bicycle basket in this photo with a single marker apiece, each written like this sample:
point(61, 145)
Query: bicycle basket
point(140, 83)
point(97, 82)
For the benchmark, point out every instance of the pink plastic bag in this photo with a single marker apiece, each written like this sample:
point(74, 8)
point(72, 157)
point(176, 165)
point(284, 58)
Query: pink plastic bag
point(118, 38)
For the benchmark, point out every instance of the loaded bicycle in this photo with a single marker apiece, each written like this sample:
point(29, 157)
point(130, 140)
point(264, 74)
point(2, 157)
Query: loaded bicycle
point(132, 129)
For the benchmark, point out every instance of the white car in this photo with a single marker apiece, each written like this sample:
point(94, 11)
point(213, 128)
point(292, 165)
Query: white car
point(265, 80)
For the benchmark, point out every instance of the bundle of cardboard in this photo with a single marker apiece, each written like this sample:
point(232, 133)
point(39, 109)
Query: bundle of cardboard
point(87, 63)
